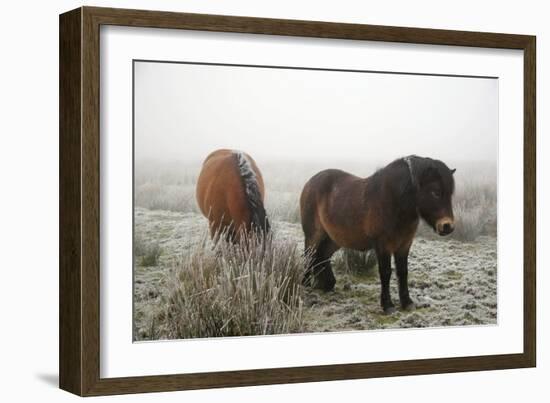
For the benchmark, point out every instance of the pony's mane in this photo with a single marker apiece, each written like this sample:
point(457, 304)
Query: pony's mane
point(415, 166)
point(252, 190)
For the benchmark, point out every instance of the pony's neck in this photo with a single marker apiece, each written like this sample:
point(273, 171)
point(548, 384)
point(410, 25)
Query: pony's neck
point(399, 200)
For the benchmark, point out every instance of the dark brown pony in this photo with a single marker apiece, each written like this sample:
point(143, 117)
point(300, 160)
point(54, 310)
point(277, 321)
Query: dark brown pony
point(230, 193)
point(381, 212)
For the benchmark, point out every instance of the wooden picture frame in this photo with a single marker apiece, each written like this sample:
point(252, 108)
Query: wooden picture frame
point(79, 280)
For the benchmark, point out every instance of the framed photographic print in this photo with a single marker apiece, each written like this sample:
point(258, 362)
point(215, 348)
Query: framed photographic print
point(249, 201)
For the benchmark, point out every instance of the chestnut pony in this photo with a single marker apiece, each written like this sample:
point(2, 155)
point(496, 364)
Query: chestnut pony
point(380, 212)
point(230, 193)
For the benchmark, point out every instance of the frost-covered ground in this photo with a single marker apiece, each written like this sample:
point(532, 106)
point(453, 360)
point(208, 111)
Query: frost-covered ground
point(453, 283)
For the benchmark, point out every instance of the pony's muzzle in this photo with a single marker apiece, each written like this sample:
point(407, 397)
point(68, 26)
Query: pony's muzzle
point(445, 226)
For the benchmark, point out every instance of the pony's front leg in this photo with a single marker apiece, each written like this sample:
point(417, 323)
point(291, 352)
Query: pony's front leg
point(384, 269)
point(402, 269)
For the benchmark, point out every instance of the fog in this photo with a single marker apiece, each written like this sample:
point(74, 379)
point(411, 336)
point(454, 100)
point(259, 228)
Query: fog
point(183, 112)
point(296, 123)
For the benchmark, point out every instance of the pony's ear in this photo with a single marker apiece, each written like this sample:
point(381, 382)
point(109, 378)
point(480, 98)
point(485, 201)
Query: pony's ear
point(453, 171)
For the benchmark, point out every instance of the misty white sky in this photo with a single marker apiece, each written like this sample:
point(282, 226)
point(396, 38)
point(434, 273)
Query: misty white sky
point(183, 112)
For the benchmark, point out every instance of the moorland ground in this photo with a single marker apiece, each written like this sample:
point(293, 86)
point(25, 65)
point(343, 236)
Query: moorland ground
point(186, 287)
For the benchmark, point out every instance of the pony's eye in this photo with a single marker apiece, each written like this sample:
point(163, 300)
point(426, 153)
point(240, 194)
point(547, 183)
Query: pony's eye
point(436, 194)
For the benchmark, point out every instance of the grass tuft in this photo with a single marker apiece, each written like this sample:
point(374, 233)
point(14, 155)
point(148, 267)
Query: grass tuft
point(224, 290)
point(148, 255)
point(355, 262)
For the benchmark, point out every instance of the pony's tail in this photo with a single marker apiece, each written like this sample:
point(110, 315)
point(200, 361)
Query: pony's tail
point(259, 221)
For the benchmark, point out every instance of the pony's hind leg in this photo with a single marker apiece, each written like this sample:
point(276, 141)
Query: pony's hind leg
point(325, 275)
point(319, 274)
point(312, 238)
point(318, 246)
point(220, 231)
point(310, 254)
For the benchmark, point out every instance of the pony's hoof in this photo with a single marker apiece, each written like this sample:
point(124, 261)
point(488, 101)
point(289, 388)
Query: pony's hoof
point(389, 310)
point(410, 306)
point(327, 287)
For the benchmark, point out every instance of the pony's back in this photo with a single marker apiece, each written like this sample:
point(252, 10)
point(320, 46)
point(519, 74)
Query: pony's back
point(230, 193)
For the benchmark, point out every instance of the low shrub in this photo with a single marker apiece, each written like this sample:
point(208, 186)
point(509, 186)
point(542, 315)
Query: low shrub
point(252, 288)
